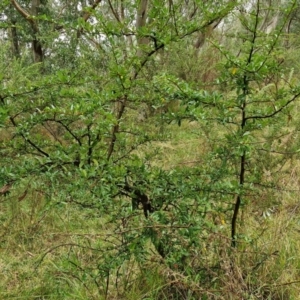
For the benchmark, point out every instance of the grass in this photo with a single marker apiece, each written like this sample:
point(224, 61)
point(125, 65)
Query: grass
point(36, 241)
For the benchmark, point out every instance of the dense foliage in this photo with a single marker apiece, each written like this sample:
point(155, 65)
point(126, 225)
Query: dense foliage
point(96, 97)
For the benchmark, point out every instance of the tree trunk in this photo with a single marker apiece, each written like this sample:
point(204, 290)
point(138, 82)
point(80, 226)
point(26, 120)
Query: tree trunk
point(14, 40)
point(141, 19)
point(36, 43)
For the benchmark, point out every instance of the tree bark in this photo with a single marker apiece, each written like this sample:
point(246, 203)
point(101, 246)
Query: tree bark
point(36, 43)
point(14, 40)
point(141, 19)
